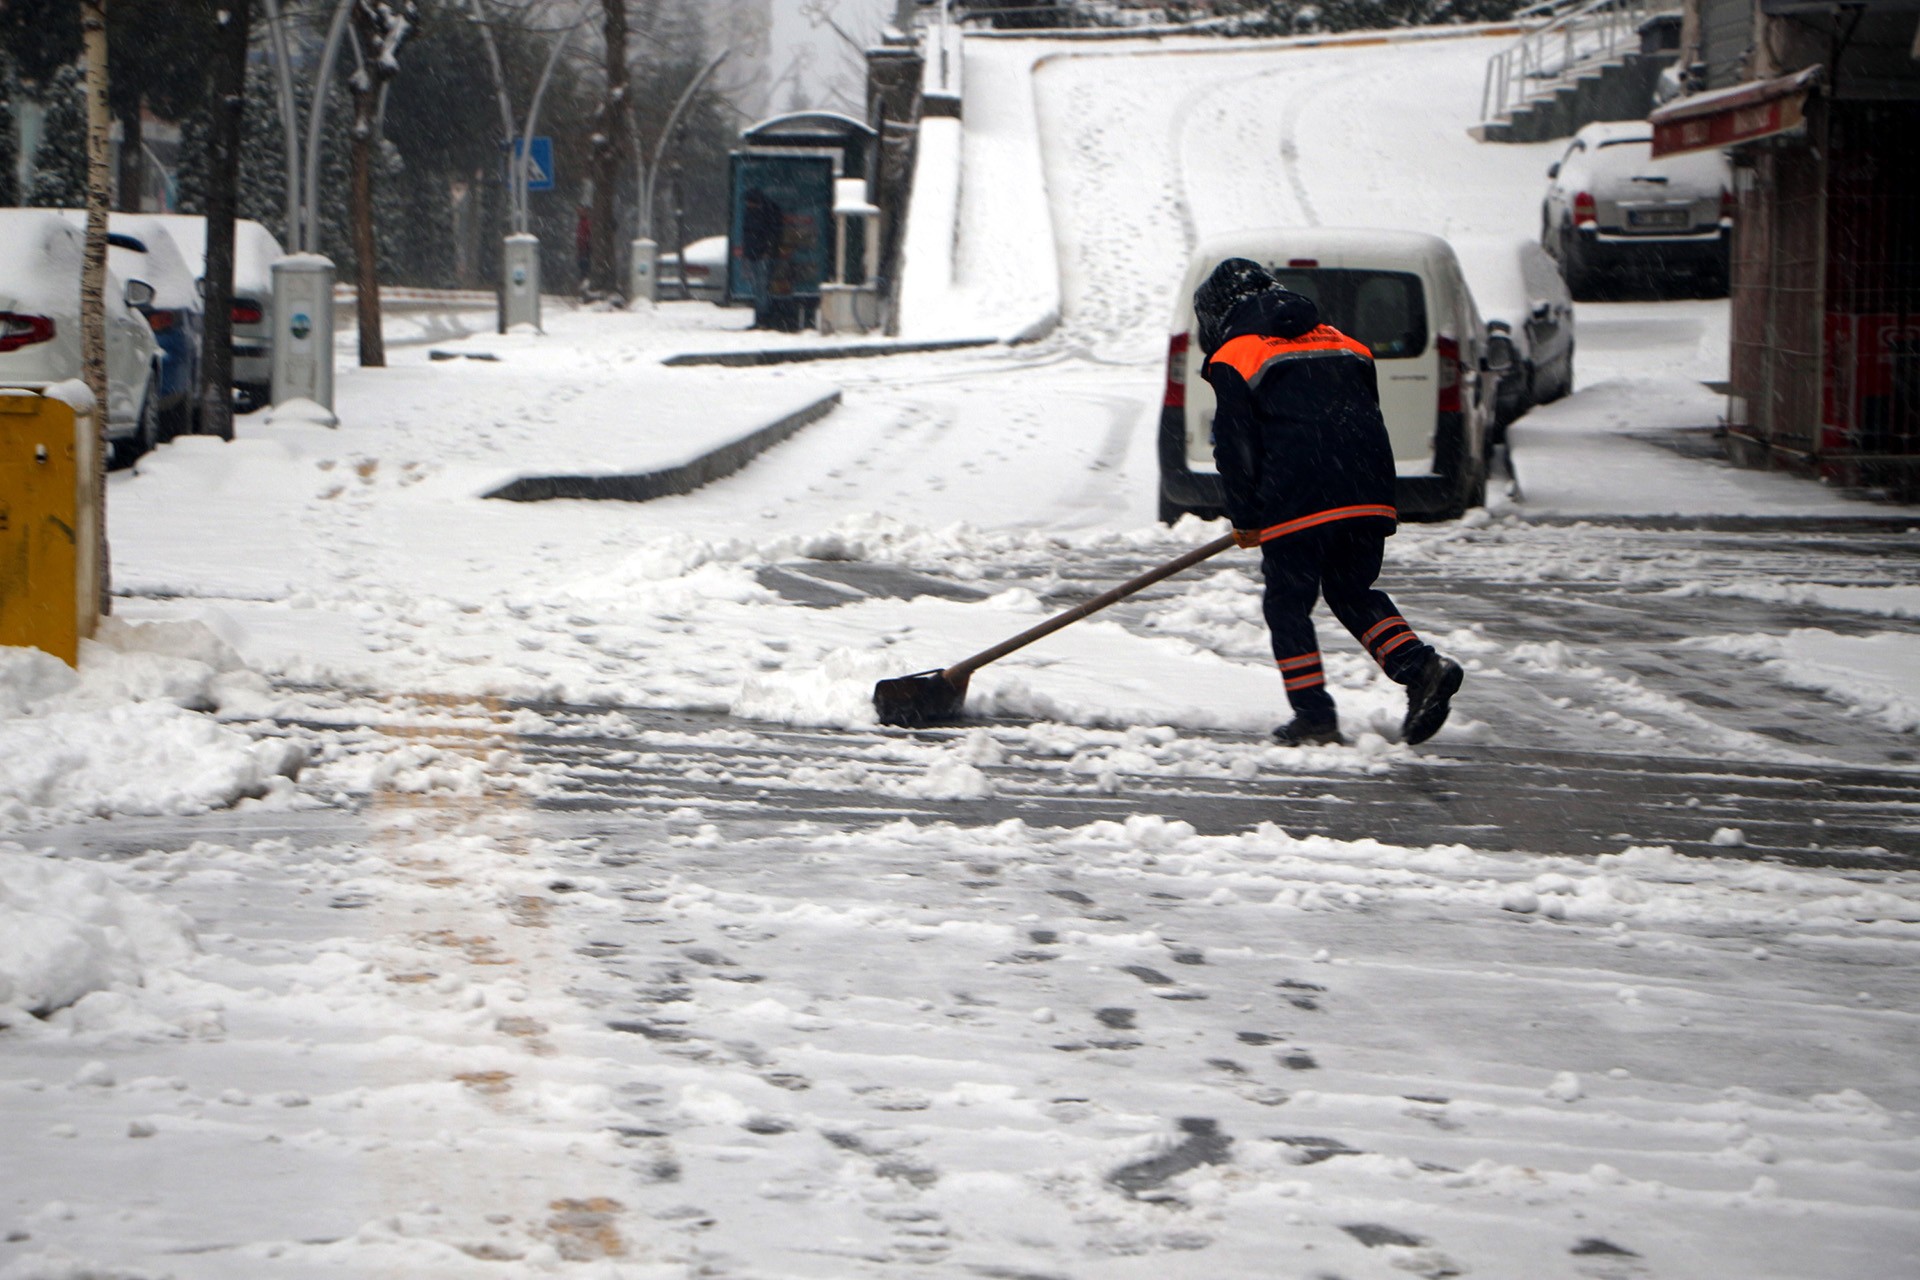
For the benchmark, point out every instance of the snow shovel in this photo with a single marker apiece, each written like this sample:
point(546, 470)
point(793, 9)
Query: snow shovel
point(938, 697)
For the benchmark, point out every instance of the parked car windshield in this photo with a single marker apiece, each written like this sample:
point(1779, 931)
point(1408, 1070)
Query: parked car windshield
point(1387, 310)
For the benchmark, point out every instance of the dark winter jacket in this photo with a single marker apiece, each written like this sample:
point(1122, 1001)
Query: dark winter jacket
point(1297, 432)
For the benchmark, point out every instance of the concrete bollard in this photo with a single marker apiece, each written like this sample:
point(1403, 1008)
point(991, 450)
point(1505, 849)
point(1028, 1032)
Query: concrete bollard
point(303, 329)
point(643, 277)
point(521, 297)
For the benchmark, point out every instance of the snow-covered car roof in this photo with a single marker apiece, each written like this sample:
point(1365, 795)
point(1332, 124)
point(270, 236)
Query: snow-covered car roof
point(40, 253)
point(1625, 149)
point(1509, 276)
point(708, 251)
point(254, 249)
point(1602, 132)
point(164, 265)
point(1376, 248)
point(159, 261)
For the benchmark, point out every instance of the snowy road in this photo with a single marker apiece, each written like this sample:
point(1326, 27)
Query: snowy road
point(604, 935)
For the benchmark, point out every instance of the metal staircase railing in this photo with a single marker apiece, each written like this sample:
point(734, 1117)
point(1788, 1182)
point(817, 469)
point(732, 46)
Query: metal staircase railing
point(1573, 36)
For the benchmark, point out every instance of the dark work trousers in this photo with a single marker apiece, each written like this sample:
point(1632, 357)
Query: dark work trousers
point(1341, 560)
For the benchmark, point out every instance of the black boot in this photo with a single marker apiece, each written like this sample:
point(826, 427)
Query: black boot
point(1300, 732)
point(1429, 698)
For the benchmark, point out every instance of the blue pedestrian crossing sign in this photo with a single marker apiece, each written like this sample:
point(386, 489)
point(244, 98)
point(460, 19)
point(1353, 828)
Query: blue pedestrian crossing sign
point(539, 162)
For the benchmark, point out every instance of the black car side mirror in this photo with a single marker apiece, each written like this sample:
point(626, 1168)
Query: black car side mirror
point(139, 293)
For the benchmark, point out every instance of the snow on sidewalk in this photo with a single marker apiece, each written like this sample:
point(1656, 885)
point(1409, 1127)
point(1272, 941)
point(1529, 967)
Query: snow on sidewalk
point(1588, 455)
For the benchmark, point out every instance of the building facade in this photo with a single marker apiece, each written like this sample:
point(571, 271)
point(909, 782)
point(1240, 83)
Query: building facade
point(1818, 104)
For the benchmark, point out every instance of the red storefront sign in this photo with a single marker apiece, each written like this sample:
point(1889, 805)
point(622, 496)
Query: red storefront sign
point(1740, 113)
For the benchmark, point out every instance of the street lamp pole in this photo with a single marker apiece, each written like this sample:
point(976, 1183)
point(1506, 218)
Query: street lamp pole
point(303, 281)
point(289, 126)
point(520, 289)
point(644, 276)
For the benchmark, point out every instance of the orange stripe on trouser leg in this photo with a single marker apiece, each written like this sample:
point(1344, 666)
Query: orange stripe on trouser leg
point(1307, 681)
point(1393, 644)
point(1382, 625)
point(1301, 660)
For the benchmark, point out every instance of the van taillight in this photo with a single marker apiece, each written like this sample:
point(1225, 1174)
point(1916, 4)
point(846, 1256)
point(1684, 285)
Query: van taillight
point(1449, 351)
point(160, 321)
point(1726, 205)
point(1176, 397)
point(17, 331)
point(1303, 262)
point(1584, 209)
point(245, 312)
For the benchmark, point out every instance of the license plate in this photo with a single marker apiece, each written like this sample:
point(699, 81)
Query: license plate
point(1659, 219)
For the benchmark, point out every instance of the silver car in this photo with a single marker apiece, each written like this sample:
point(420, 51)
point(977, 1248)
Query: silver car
point(1614, 214)
point(1529, 311)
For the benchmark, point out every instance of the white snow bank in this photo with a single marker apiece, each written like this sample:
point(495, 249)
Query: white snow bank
point(123, 733)
point(1876, 676)
point(67, 931)
point(1884, 602)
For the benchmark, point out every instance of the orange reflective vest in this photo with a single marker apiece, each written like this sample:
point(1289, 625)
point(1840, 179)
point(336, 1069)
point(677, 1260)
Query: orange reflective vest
point(1298, 435)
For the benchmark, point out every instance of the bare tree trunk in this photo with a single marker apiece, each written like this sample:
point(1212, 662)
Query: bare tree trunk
point(223, 177)
point(132, 161)
point(373, 346)
point(93, 275)
point(612, 142)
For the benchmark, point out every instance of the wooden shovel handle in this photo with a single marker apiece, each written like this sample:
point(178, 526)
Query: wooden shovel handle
point(967, 666)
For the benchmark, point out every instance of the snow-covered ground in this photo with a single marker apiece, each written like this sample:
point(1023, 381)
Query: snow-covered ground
point(1113, 1050)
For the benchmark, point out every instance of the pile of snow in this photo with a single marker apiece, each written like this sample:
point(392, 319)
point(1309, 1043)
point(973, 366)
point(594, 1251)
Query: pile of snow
point(68, 931)
point(1873, 676)
point(125, 733)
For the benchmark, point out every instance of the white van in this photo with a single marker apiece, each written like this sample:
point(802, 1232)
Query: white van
point(1403, 295)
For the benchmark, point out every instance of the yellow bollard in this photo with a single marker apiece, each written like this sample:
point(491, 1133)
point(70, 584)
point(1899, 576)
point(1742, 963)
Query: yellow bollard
point(49, 548)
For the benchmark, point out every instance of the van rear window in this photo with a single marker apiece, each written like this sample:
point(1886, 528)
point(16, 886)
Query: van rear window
point(1387, 310)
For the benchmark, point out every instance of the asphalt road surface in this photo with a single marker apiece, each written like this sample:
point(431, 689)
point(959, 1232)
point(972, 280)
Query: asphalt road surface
point(1840, 789)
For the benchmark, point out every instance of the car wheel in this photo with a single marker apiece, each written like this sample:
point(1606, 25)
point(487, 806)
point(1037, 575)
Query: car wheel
point(126, 452)
point(148, 436)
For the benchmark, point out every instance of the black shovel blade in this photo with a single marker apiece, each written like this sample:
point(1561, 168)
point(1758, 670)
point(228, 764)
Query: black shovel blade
point(922, 699)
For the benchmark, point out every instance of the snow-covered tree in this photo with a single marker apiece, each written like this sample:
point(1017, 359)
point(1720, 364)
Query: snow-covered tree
point(60, 161)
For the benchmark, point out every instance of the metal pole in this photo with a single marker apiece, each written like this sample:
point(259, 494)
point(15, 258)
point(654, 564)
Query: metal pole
point(289, 124)
point(521, 209)
point(493, 64)
point(652, 171)
point(316, 115)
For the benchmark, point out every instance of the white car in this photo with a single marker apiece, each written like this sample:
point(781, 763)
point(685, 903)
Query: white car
point(254, 251)
point(1403, 295)
point(41, 255)
point(705, 272)
point(1613, 212)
